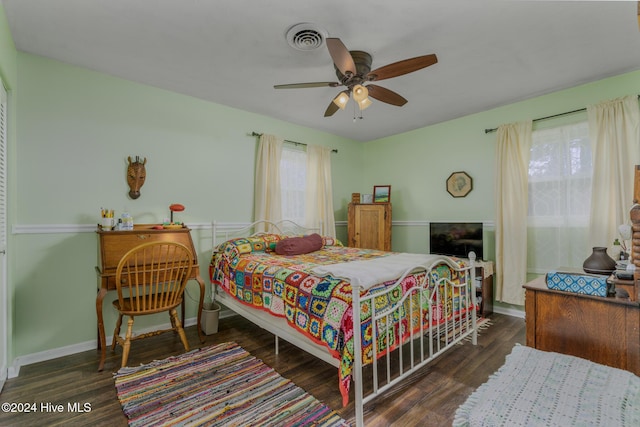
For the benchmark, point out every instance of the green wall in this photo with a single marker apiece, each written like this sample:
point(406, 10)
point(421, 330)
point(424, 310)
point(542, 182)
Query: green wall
point(76, 127)
point(416, 164)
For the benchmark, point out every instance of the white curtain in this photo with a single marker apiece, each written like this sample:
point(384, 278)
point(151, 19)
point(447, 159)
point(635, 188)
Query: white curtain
point(267, 198)
point(613, 131)
point(319, 193)
point(512, 167)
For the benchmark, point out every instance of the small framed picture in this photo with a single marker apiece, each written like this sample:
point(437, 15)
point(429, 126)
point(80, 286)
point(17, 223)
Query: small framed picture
point(381, 193)
point(459, 184)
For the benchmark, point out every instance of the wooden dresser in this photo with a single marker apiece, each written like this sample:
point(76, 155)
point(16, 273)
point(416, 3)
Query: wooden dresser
point(603, 330)
point(112, 245)
point(369, 226)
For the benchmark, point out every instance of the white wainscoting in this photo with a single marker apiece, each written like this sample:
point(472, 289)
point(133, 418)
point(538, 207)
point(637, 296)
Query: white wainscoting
point(90, 228)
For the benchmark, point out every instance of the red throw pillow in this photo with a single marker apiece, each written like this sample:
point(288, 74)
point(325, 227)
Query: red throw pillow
point(299, 245)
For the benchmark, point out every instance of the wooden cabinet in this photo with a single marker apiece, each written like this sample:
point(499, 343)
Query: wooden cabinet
point(369, 226)
point(605, 330)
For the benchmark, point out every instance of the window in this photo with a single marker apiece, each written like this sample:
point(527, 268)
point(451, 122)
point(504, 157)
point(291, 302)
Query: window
point(293, 183)
point(560, 171)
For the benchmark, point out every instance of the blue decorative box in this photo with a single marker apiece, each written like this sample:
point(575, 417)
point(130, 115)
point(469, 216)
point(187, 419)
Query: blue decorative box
point(578, 283)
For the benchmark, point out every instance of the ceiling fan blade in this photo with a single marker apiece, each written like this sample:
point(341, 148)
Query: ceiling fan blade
point(386, 95)
point(306, 85)
point(331, 109)
point(402, 67)
point(341, 56)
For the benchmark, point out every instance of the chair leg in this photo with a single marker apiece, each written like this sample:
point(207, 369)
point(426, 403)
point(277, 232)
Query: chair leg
point(116, 332)
point(178, 325)
point(127, 342)
point(173, 322)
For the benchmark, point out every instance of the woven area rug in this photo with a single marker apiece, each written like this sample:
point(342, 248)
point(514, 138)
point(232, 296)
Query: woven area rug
point(538, 388)
point(220, 385)
point(482, 324)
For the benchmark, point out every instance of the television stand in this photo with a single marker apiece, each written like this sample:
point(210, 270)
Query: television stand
point(484, 287)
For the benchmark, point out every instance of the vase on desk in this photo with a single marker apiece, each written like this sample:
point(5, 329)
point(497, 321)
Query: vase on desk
point(599, 262)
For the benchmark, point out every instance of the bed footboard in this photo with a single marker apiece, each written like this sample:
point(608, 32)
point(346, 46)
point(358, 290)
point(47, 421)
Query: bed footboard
point(397, 325)
point(447, 311)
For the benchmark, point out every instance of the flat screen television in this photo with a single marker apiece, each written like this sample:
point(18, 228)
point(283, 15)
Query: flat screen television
point(456, 238)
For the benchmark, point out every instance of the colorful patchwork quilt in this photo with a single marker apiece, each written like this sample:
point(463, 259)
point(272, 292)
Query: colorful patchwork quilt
point(249, 270)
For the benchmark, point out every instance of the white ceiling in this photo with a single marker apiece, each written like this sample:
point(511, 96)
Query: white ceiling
point(490, 52)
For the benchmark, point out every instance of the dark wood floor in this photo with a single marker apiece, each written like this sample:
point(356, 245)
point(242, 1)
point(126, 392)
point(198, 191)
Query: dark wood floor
point(430, 398)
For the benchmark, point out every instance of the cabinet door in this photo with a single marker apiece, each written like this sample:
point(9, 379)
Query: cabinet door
point(371, 227)
point(597, 330)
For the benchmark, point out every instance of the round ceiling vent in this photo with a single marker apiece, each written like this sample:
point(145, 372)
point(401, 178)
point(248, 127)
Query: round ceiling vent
point(306, 36)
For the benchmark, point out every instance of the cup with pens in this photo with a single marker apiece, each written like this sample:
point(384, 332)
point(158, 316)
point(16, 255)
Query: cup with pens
point(108, 221)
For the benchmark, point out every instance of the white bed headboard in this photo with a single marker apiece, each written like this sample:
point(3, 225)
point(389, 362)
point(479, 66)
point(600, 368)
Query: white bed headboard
point(284, 227)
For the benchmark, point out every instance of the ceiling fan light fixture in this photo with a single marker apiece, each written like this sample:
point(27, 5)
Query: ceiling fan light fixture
point(342, 99)
point(364, 104)
point(353, 70)
point(360, 93)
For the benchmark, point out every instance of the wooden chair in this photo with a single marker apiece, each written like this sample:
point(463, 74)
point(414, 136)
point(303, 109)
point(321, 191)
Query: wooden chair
point(155, 275)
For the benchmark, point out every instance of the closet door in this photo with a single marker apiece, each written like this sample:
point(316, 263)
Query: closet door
point(3, 235)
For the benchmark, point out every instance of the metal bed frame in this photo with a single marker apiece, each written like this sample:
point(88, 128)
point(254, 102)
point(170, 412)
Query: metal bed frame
point(392, 366)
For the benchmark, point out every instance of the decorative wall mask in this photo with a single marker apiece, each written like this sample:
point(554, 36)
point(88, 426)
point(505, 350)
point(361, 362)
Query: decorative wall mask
point(136, 174)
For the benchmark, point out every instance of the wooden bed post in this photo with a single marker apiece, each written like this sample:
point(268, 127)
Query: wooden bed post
point(636, 185)
point(635, 233)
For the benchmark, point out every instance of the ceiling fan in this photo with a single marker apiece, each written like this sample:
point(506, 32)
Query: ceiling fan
point(353, 69)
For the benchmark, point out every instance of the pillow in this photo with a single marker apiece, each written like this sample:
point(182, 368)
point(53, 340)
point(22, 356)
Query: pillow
point(244, 245)
point(299, 245)
point(330, 241)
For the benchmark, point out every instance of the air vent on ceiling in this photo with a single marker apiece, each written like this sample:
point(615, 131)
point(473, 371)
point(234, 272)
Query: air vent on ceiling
point(306, 36)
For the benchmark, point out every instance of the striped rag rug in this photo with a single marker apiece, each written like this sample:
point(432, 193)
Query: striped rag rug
point(220, 385)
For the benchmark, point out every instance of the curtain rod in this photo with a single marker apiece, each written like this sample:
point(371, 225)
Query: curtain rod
point(549, 117)
point(290, 142)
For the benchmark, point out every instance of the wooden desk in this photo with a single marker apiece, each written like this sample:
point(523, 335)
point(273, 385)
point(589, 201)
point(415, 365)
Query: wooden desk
point(112, 245)
point(605, 330)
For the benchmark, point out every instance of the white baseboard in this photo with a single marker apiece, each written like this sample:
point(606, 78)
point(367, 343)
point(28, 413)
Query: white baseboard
point(28, 359)
point(3, 376)
point(14, 370)
point(509, 311)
